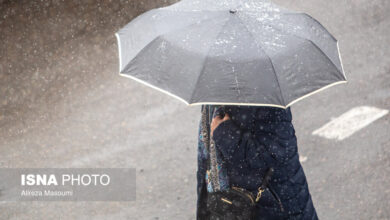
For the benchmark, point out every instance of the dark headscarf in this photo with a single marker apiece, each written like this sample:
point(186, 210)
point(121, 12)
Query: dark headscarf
point(246, 116)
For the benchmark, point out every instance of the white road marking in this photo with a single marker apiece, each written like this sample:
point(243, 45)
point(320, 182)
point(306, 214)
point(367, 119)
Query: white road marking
point(350, 122)
point(302, 159)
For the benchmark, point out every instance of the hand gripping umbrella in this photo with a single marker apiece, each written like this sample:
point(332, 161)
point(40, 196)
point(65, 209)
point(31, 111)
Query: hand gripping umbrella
point(231, 52)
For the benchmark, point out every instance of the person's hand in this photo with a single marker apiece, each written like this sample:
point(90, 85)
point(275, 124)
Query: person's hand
point(217, 120)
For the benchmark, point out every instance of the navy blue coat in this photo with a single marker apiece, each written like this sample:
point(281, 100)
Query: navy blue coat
point(255, 139)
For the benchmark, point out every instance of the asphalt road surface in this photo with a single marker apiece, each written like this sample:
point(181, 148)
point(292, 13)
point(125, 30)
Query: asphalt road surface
point(63, 104)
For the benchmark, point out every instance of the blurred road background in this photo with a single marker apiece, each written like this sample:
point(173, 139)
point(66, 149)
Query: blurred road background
point(63, 104)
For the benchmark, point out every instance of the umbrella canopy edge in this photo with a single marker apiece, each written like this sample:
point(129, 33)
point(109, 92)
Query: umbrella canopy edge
point(271, 105)
point(154, 87)
point(119, 51)
point(341, 60)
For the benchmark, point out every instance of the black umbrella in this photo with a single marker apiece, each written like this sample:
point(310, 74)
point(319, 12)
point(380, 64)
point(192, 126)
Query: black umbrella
point(234, 52)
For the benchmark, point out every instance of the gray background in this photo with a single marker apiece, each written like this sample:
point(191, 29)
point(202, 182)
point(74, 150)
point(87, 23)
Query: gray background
point(63, 104)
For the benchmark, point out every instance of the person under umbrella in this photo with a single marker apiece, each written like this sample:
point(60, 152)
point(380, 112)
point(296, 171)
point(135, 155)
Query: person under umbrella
point(251, 139)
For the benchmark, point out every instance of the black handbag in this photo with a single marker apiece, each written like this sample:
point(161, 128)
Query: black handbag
point(230, 204)
point(237, 203)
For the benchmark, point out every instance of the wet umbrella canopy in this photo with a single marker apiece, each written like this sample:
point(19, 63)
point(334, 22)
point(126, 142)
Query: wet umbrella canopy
point(244, 52)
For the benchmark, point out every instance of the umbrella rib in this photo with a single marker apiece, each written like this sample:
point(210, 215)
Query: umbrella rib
point(314, 20)
point(326, 56)
point(168, 32)
point(269, 58)
point(306, 39)
point(314, 44)
point(207, 57)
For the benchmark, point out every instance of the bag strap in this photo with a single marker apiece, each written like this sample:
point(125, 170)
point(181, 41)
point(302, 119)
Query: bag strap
point(276, 197)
